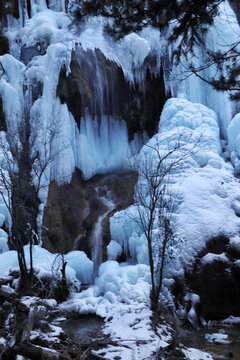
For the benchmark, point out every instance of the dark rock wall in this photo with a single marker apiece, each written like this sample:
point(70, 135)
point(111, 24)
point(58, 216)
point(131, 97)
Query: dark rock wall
point(217, 282)
point(4, 45)
point(3, 126)
point(97, 86)
point(8, 7)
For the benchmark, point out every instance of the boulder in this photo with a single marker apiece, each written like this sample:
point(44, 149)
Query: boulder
point(215, 278)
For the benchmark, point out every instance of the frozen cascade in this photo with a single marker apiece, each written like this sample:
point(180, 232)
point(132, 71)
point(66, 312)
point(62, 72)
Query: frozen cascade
point(97, 235)
point(224, 31)
point(100, 143)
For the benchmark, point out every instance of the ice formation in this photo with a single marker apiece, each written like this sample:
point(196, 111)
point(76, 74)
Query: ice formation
point(94, 148)
point(207, 181)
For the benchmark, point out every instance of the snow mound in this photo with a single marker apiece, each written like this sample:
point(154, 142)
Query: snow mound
point(217, 338)
point(82, 265)
point(116, 283)
point(47, 264)
point(210, 258)
point(204, 190)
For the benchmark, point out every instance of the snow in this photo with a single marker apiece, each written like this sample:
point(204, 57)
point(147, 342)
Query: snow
point(3, 341)
point(31, 300)
point(217, 338)
point(51, 337)
point(204, 192)
point(120, 295)
point(46, 26)
point(45, 264)
point(231, 320)
point(195, 354)
point(210, 258)
point(82, 265)
point(8, 289)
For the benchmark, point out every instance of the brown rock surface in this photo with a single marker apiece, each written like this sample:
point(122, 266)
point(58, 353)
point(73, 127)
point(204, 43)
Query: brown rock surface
point(73, 209)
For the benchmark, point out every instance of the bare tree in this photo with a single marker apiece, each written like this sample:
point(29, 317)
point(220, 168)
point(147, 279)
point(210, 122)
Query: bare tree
point(25, 164)
point(154, 205)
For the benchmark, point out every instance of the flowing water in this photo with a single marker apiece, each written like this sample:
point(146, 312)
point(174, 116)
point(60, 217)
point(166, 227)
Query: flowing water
point(97, 235)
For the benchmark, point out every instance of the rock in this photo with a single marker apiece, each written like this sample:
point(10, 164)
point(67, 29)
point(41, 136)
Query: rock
point(6, 280)
point(3, 126)
point(21, 306)
point(215, 278)
point(9, 7)
point(97, 85)
point(7, 306)
point(14, 273)
point(27, 53)
point(73, 209)
point(4, 45)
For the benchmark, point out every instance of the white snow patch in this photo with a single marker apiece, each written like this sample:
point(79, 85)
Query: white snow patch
point(195, 354)
point(217, 338)
point(231, 320)
point(210, 258)
point(3, 341)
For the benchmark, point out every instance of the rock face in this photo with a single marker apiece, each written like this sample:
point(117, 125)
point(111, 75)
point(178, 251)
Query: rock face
point(97, 86)
point(73, 209)
point(4, 45)
point(9, 7)
point(2, 118)
point(215, 278)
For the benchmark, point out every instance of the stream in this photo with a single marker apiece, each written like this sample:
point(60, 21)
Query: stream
point(82, 327)
point(230, 334)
